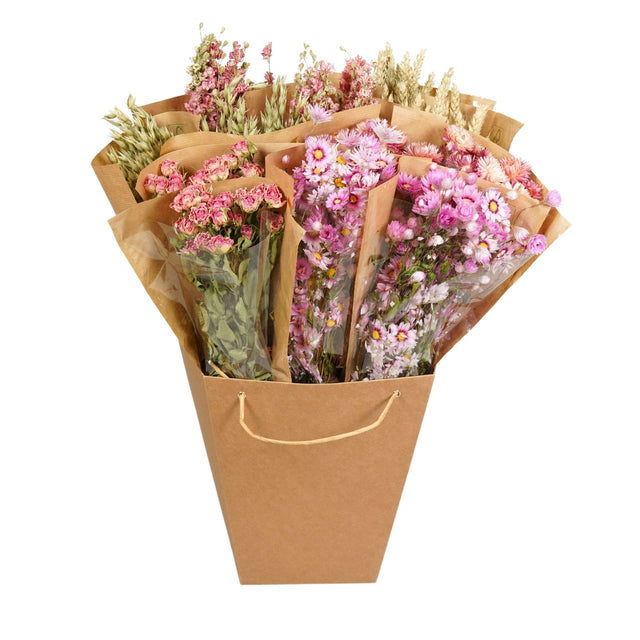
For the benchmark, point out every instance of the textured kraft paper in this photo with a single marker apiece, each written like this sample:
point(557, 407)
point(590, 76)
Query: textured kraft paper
point(320, 513)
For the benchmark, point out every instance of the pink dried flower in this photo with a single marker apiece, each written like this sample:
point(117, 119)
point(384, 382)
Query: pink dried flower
point(251, 170)
point(536, 244)
point(553, 198)
point(319, 114)
point(168, 167)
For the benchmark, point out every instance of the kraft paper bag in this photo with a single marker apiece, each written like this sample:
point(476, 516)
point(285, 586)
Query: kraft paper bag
point(309, 477)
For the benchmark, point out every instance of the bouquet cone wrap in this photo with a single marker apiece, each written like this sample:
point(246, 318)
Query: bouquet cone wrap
point(309, 477)
point(303, 503)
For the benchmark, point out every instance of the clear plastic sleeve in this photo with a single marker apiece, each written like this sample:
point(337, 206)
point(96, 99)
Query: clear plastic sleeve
point(451, 245)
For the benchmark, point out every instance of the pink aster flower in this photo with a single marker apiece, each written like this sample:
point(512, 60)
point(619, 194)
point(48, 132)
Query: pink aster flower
point(533, 188)
point(303, 269)
point(318, 260)
point(408, 184)
point(494, 205)
point(320, 152)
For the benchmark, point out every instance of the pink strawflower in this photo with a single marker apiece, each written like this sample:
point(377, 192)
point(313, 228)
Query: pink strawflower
point(458, 138)
point(553, 198)
point(536, 244)
point(515, 169)
point(319, 114)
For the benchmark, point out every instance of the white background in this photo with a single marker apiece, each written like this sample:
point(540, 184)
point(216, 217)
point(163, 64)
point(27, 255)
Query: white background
point(520, 517)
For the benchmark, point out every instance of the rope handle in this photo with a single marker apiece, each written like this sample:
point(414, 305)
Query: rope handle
point(242, 395)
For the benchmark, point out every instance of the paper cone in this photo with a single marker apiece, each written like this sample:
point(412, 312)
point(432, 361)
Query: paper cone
point(308, 513)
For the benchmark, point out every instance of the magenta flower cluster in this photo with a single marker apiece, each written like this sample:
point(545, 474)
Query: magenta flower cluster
point(331, 189)
point(216, 77)
point(448, 242)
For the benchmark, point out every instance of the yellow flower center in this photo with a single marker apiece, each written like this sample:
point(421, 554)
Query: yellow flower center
point(331, 323)
point(402, 335)
point(317, 171)
point(339, 182)
point(331, 272)
point(318, 155)
point(341, 160)
point(318, 255)
point(376, 334)
point(493, 206)
point(484, 245)
point(346, 231)
point(353, 198)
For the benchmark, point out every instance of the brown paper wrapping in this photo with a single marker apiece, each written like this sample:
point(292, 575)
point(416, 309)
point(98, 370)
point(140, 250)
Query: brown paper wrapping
point(320, 513)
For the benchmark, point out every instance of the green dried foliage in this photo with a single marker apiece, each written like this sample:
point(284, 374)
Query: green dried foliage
point(138, 140)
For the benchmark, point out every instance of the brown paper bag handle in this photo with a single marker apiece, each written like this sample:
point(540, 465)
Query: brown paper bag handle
point(242, 395)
